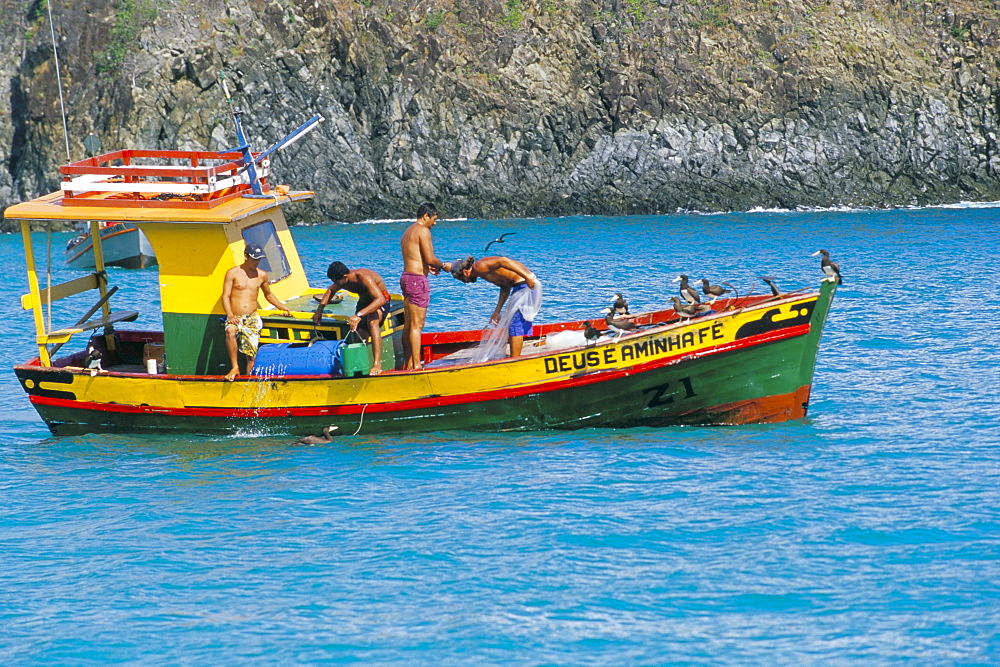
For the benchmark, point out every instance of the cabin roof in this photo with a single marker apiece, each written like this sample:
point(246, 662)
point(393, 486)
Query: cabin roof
point(53, 207)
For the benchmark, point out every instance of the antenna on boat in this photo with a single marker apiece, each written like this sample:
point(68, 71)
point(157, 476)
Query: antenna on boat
point(62, 104)
point(249, 161)
point(244, 145)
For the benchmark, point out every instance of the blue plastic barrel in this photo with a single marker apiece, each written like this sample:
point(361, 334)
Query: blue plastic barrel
point(322, 357)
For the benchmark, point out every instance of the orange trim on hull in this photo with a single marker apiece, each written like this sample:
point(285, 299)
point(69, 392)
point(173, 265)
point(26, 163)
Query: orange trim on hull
point(763, 410)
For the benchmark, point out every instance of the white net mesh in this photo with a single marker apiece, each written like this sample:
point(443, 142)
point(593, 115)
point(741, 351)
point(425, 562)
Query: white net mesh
point(494, 342)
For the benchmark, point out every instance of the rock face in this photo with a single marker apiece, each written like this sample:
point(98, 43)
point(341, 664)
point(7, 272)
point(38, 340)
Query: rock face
point(526, 107)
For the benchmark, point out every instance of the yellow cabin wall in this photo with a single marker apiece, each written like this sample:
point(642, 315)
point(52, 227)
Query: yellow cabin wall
point(194, 258)
point(192, 265)
point(296, 283)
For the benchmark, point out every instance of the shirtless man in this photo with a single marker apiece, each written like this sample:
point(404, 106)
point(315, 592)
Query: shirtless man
point(418, 260)
point(373, 304)
point(510, 276)
point(239, 299)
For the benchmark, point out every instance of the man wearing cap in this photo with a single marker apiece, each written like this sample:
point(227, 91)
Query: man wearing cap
point(515, 281)
point(239, 300)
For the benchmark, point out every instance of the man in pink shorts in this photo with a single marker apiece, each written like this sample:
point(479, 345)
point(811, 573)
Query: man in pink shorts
point(418, 260)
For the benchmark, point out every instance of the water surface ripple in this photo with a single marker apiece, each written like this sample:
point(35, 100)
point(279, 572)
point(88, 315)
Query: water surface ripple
point(868, 531)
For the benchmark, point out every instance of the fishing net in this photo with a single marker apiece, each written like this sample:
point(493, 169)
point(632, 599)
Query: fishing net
point(494, 341)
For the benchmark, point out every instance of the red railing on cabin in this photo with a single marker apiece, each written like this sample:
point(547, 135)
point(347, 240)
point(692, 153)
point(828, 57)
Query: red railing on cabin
point(96, 164)
point(171, 179)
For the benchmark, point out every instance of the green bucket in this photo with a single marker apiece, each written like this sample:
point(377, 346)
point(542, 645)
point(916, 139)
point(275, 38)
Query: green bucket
point(356, 356)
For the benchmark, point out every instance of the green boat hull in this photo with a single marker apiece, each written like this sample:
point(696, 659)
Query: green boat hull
point(764, 379)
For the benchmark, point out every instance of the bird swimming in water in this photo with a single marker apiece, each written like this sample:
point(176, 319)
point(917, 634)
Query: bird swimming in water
point(830, 268)
point(617, 326)
point(716, 290)
point(590, 333)
point(497, 240)
point(328, 432)
point(689, 293)
point(770, 283)
point(620, 305)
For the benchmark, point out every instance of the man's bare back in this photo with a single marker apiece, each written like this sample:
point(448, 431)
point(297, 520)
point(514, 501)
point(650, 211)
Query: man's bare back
point(502, 271)
point(368, 285)
point(509, 275)
point(372, 307)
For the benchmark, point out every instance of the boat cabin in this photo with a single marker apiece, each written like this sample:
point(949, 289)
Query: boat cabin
point(198, 210)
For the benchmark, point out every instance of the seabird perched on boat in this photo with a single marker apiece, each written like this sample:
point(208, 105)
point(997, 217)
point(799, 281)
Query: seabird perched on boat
point(689, 293)
point(620, 305)
point(770, 283)
point(716, 290)
point(830, 268)
point(328, 432)
point(590, 333)
point(689, 310)
point(617, 326)
point(93, 358)
point(497, 240)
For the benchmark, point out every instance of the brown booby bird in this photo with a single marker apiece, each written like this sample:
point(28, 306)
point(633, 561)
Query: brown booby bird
point(497, 240)
point(93, 358)
point(618, 326)
point(590, 333)
point(830, 268)
point(327, 437)
point(689, 293)
point(684, 310)
point(620, 305)
point(716, 290)
point(689, 310)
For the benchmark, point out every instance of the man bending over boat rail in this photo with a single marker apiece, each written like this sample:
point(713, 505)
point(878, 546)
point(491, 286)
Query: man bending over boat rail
point(516, 282)
point(239, 300)
point(373, 304)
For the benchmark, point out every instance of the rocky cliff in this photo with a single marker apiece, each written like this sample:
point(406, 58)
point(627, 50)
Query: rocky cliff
point(527, 107)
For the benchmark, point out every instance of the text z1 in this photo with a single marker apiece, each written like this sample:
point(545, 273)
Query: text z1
point(661, 397)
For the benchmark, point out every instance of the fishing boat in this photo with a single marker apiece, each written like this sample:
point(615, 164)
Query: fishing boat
point(123, 244)
point(749, 360)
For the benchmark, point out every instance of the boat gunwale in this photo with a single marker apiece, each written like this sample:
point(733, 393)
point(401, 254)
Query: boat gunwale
point(547, 329)
point(576, 325)
point(788, 332)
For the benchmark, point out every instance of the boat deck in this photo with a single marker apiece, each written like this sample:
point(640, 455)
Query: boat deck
point(452, 347)
point(440, 349)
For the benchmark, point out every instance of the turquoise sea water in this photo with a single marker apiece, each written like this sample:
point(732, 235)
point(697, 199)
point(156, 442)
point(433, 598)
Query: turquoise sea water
point(867, 532)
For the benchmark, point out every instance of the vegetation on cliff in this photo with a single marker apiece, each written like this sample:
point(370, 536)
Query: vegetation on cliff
point(523, 107)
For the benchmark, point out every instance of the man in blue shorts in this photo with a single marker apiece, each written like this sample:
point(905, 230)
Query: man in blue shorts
point(515, 282)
